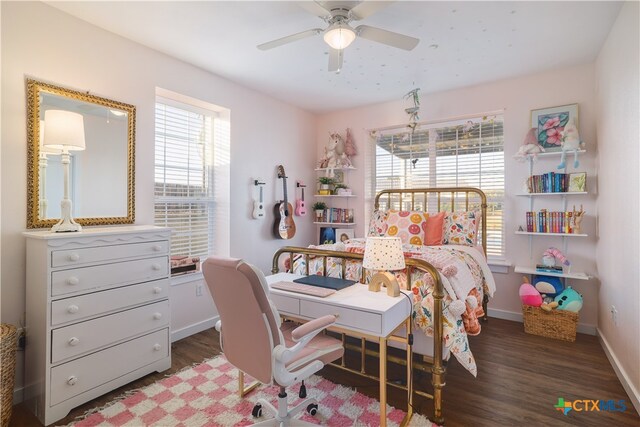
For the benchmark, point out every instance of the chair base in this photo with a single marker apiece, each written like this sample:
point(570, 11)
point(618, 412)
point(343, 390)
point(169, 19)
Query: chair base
point(282, 416)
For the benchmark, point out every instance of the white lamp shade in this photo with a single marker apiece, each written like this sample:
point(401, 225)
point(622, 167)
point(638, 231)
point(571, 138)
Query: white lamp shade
point(63, 130)
point(43, 149)
point(383, 253)
point(339, 36)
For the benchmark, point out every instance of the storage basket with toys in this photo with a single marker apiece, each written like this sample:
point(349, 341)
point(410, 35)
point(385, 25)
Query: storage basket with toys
point(549, 309)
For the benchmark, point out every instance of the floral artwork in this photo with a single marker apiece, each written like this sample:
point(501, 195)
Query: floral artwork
point(550, 122)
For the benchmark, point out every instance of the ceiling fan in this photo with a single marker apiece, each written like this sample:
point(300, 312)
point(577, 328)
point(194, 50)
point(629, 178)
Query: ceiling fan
point(339, 34)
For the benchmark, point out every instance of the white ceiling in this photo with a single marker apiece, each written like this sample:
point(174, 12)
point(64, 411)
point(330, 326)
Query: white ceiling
point(461, 44)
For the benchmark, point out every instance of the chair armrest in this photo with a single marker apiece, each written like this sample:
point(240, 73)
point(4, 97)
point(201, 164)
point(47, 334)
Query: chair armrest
point(312, 327)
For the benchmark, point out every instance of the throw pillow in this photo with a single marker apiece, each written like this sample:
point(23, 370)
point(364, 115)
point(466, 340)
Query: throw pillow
point(409, 226)
point(461, 228)
point(434, 229)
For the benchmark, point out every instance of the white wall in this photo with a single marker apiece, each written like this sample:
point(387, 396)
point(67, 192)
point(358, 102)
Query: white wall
point(617, 77)
point(516, 97)
point(44, 43)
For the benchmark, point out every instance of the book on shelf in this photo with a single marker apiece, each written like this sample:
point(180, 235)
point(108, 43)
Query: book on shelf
point(548, 269)
point(550, 182)
point(545, 221)
point(340, 215)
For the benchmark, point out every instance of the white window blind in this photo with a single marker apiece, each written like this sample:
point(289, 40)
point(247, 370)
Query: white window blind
point(462, 153)
point(184, 199)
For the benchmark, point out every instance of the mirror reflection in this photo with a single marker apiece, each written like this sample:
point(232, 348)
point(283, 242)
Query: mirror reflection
point(100, 174)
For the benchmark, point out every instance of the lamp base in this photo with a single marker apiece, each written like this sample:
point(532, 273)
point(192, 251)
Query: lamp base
point(66, 223)
point(386, 279)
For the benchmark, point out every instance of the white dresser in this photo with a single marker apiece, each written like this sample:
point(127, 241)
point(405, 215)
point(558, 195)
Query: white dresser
point(97, 313)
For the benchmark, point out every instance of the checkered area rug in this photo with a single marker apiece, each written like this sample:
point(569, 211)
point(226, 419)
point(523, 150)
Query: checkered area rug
point(207, 395)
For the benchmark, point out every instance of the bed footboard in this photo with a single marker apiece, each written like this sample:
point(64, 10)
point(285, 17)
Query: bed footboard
point(438, 369)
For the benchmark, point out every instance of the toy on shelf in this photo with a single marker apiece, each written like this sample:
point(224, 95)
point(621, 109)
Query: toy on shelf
point(576, 219)
point(569, 300)
point(570, 142)
point(529, 295)
point(530, 147)
point(338, 152)
point(552, 254)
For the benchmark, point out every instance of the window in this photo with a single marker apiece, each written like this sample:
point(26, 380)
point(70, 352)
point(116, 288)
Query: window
point(184, 176)
point(461, 153)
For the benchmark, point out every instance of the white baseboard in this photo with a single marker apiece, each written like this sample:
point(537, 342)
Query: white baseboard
point(628, 386)
point(517, 317)
point(18, 394)
point(194, 329)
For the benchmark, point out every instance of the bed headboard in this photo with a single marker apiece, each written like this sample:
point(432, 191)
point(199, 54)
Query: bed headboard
point(436, 200)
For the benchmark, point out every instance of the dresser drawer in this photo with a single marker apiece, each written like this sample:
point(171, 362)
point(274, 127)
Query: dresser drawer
point(90, 305)
point(83, 337)
point(351, 318)
point(71, 257)
point(120, 273)
point(78, 376)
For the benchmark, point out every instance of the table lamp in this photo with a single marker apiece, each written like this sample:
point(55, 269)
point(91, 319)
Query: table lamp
point(383, 254)
point(42, 162)
point(64, 131)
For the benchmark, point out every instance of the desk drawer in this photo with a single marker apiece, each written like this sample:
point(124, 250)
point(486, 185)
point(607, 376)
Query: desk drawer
point(71, 379)
point(348, 318)
point(70, 257)
point(83, 337)
point(120, 273)
point(90, 305)
point(286, 305)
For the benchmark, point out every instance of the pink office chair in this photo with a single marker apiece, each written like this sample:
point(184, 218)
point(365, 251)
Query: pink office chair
point(256, 342)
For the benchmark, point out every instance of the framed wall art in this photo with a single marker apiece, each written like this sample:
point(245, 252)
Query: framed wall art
point(550, 122)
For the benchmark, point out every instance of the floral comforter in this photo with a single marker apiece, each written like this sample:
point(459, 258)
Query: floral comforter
point(465, 276)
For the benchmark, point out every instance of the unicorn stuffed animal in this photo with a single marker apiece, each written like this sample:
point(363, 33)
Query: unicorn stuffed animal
point(570, 142)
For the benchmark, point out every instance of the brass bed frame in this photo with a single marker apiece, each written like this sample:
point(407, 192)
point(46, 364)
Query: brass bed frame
point(406, 199)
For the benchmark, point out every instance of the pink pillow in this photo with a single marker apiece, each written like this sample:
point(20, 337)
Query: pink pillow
point(434, 229)
point(409, 226)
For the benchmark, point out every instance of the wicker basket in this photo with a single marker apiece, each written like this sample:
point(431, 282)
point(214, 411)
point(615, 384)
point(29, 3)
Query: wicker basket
point(559, 324)
point(8, 345)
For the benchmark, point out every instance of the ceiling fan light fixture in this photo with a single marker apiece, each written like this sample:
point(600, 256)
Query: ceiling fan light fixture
point(339, 36)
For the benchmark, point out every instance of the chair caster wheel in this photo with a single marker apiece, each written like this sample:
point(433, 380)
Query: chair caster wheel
point(312, 409)
point(303, 391)
point(257, 411)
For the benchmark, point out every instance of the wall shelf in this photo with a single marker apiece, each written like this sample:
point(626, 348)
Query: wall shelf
point(534, 233)
point(334, 195)
point(556, 153)
point(335, 223)
point(568, 193)
point(529, 270)
point(350, 168)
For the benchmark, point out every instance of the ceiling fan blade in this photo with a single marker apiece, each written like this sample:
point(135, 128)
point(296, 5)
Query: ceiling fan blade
point(367, 8)
point(317, 9)
point(386, 37)
point(289, 39)
point(335, 59)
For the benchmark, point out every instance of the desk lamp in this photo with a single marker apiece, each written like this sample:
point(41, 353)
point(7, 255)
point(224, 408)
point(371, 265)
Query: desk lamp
point(383, 254)
point(42, 162)
point(64, 131)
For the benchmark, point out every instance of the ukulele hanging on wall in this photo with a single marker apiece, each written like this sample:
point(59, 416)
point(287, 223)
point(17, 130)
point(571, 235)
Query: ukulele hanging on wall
point(284, 227)
point(301, 210)
point(258, 205)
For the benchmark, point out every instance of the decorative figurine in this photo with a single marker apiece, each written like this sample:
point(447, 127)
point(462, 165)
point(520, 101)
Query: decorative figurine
point(570, 142)
point(530, 147)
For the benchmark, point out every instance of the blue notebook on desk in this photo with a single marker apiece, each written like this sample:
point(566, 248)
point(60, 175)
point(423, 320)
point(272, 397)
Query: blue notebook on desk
point(325, 282)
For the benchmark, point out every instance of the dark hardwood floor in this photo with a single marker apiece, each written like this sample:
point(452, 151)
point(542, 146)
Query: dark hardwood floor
point(520, 378)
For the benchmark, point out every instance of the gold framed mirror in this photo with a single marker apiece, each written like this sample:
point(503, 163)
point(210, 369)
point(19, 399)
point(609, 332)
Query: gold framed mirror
point(101, 176)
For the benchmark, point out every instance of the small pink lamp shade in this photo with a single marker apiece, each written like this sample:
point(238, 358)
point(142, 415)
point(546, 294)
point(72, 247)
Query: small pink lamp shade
point(63, 130)
point(383, 253)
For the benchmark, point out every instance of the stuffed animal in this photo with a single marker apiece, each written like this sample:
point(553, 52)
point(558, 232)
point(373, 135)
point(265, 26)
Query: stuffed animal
point(548, 285)
point(529, 295)
point(570, 142)
point(569, 300)
point(530, 147)
point(548, 306)
point(552, 254)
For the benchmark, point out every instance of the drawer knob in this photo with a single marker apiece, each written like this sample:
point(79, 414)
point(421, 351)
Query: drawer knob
point(157, 248)
point(72, 380)
point(157, 316)
point(73, 280)
point(73, 309)
point(157, 289)
point(73, 257)
point(155, 266)
point(73, 341)
point(157, 347)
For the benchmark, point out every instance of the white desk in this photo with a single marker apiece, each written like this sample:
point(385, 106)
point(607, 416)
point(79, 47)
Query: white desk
point(373, 315)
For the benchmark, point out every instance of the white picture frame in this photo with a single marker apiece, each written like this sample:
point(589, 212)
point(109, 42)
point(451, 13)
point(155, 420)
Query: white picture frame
point(344, 234)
